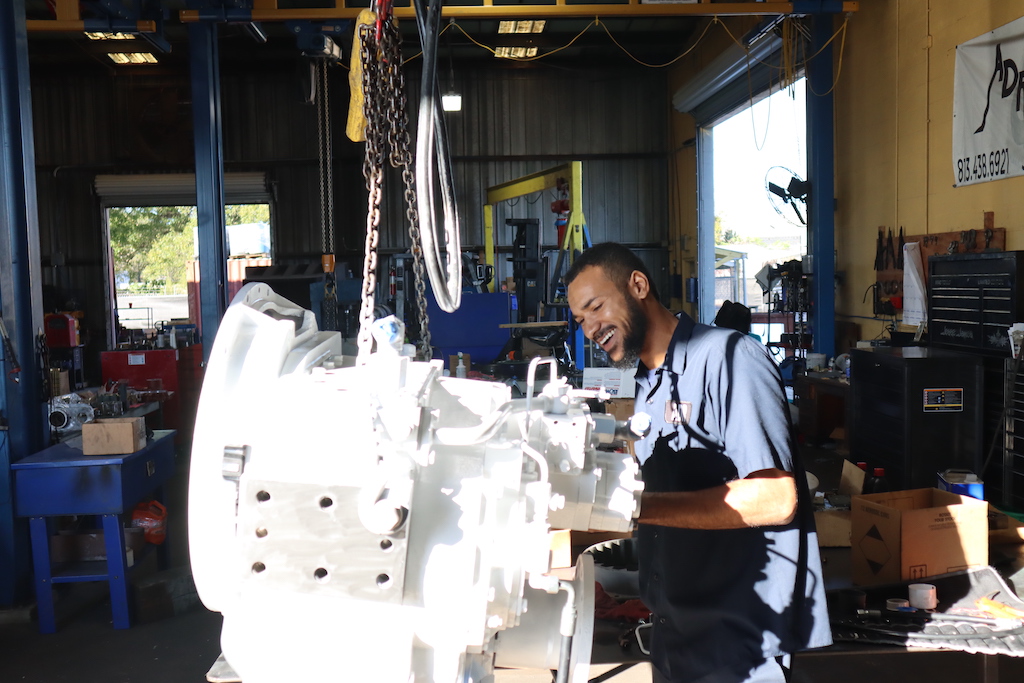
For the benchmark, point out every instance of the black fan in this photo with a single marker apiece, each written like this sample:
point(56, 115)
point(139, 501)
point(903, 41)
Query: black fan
point(794, 194)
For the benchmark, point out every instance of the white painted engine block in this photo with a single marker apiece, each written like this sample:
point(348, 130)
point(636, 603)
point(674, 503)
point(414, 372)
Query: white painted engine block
point(381, 522)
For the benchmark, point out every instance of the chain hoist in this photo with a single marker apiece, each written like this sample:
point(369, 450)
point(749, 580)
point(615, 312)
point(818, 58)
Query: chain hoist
point(386, 132)
point(329, 307)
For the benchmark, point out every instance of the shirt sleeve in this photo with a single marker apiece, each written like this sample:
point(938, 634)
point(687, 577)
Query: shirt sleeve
point(752, 409)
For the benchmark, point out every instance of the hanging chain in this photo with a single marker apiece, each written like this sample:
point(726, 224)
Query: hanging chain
point(401, 157)
point(372, 172)
point(387, 124)
point(329, 306)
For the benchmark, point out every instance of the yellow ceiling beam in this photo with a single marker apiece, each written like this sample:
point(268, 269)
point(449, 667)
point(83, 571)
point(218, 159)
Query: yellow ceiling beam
point(68, 18)
point(266, 10)
point(77, 25)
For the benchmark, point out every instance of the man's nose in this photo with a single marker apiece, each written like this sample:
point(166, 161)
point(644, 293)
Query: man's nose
point(589, 328)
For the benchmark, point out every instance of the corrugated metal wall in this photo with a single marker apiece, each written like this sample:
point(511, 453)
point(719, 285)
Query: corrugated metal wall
point(514, 122)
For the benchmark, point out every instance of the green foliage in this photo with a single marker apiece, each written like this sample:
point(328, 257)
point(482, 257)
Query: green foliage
point(153, 244)
point(243, 214)
point(722, 236)
point(135, 229)
point(167, 258)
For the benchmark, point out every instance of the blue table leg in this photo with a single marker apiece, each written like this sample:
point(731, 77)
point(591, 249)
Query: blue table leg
point(40, 539)
point(117, 570)
point(163, 553)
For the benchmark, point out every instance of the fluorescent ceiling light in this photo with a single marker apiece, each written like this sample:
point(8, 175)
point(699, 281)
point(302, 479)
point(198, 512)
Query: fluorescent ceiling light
point(132, 57)
point(451, 101)
point(101, 35)
point(515, 52)
point(521, 26)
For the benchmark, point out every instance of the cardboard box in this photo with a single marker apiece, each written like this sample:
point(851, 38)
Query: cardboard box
point(532, 349)
point(1003, 529)
point(83, 546)
point(114, 436)
point(911, 535)
point(851, 481)
point(833, 521)
point(166, 594)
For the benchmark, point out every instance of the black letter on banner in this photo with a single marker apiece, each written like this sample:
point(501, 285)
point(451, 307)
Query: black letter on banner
point(988, 96)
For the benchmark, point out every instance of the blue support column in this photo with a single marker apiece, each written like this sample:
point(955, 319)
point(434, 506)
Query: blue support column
point(706, 219)
point(206, 117)
point(821, 172)
point(21, 402)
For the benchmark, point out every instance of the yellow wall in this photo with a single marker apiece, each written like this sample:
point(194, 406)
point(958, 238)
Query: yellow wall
point(893, 137)
point(894, 114)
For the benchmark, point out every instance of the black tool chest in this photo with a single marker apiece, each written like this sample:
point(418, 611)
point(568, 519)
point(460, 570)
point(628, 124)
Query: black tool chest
point(915, 411)
point(974, 298)
point(1010, 472)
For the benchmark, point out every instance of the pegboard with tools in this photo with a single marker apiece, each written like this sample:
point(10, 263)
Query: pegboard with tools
point(888, 297)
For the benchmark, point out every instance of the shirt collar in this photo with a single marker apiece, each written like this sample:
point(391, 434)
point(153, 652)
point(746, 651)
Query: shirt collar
point(675, 355)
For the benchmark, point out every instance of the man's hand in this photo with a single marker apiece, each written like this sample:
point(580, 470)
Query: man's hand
point(764, 498)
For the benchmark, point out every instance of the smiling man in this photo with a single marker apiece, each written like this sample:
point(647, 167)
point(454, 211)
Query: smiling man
point(728, 556)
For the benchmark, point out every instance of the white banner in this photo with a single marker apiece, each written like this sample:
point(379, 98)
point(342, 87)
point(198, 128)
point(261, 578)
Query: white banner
point(988, 106)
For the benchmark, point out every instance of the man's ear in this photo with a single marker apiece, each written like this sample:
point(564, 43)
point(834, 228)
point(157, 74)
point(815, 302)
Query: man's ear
point(639, 286)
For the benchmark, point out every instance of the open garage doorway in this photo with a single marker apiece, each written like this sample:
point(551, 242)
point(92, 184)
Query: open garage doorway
point(760, 213)
point(154, 261)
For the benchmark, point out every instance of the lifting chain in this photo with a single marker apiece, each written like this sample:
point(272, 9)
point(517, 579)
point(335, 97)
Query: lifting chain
point(329, 307)
point(387, 127)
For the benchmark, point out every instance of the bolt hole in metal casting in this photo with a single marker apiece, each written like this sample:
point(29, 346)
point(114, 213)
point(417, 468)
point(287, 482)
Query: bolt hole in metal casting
point(258, 568)
point(262, 496)
point(326, 502)
point(383, 581)
point(321, 575)
point(386, 545)
point(261, 532)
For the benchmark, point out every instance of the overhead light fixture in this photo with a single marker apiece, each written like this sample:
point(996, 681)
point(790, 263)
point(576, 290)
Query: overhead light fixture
point(132, 57)
point(527, 26)
point(515, 52)
point(103, 35)
point(451, 100)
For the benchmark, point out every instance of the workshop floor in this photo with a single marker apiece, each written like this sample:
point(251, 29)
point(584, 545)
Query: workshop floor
point(181, 649)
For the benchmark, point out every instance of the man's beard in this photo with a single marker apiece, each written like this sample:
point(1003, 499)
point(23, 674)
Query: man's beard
point(633, 343)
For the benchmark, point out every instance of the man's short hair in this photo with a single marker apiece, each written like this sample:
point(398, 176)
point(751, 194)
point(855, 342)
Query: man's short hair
point(617, 262)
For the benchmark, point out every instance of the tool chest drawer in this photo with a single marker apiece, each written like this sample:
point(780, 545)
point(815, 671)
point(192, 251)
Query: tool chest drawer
point(974, 298)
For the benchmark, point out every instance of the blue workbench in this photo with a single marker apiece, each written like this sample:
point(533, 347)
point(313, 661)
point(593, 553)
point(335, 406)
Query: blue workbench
point(60, 480)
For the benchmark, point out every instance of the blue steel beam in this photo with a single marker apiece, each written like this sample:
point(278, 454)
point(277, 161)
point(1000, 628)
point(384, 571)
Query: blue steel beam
point(21, 403)
point(821, 173)
point(206, 117)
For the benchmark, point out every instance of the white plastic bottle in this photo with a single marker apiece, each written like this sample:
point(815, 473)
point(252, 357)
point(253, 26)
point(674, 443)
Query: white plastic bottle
point(460, 370)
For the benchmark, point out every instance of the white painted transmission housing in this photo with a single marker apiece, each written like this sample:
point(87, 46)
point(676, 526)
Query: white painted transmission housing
point(382, 522)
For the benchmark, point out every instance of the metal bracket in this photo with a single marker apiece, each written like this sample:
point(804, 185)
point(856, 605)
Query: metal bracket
point(233, 463)
point(319, 39)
